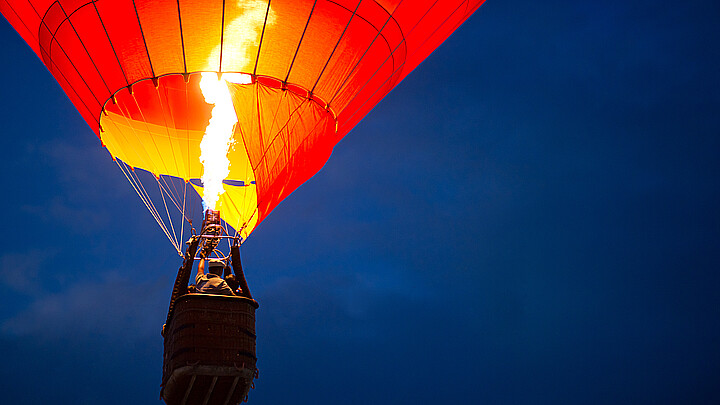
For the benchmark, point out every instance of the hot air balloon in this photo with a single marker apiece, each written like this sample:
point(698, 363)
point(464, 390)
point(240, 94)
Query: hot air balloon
point(226, 107)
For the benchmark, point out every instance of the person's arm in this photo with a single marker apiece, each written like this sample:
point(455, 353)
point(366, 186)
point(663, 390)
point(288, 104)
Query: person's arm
point(239, 274)
point(200, 270)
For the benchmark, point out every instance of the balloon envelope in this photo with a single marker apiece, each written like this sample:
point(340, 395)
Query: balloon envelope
point(310, 70)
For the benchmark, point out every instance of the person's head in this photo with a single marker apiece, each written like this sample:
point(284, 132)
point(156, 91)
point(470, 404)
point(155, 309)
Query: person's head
point(232, 282)
point(216, 267)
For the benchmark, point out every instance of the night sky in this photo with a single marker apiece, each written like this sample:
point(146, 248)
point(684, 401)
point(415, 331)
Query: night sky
point(531, 217)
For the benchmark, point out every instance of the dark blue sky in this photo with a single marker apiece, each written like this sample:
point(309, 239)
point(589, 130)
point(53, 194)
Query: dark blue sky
point(531, 217)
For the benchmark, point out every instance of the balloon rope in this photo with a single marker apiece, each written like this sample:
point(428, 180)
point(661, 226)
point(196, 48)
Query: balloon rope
point(146, 200)
point(175, 198)
point(165, 165)
point(145, 196)
point(182, 224)
point(170, 195)
point(170, 221)
point(155, 213)
point(229, 241)
point(128, 121)
point(175, 194)
point(137, 185)
point(134, 185)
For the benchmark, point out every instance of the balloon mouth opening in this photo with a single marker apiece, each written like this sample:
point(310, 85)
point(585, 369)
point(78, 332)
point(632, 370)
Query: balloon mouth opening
point(187, 85)
point(157, 124)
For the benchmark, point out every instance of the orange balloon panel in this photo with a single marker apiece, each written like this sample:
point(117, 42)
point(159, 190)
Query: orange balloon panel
point(317, 67)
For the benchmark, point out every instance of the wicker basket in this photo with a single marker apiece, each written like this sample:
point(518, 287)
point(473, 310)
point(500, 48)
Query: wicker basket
point(209, 350)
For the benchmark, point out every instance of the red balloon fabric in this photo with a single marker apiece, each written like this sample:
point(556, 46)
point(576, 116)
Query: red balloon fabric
point(306, 72)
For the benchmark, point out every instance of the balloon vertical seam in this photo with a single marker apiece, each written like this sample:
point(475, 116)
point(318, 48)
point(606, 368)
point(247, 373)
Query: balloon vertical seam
point(379, 34)
point(182, 39)
point(167, 127)
point(342, 35)
point(300, 42)
point(398, 70)
point(58, 70)
point(110, 42)
point(142, 33)
point(144, 121)
point(71, 63)
point(262, 35)
point(22, 21)
point(222, 37)
point(67, 18)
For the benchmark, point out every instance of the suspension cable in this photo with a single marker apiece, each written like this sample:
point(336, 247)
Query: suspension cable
point(145, 198)
point(176, 242)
